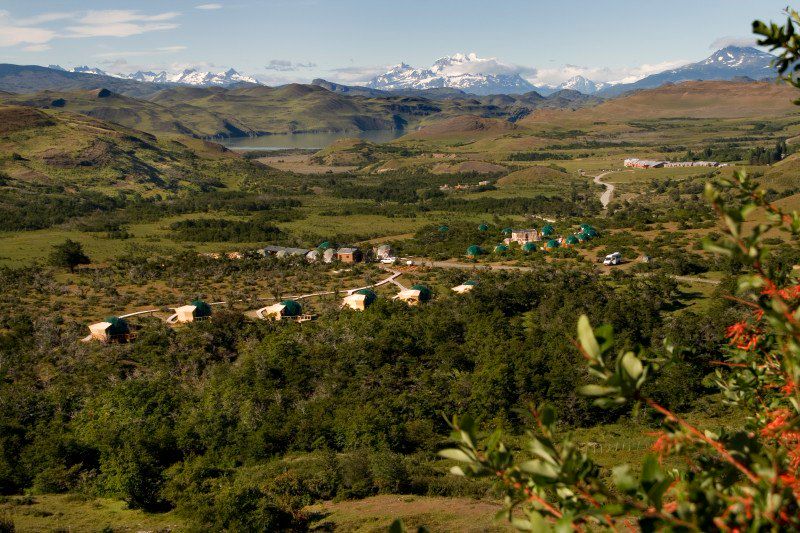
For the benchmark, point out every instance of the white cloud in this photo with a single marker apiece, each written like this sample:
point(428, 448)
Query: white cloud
point(555, 76)
point(355, 74)
point(120, 23)
point(13, 32)
point(459, 64)
point(208, 7)
point(141, 53)
point(284, 65)
point(733, 40)
point(36, 47)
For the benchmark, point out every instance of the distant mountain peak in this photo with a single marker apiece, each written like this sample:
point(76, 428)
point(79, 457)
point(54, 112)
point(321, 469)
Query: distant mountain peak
point(466, 72)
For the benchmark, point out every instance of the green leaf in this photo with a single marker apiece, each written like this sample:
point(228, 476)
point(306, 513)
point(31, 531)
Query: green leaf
point(540, 468)
point(587, 339)
point(598, 390)
point(624, 479)
point(456, 455)
point(632, 365)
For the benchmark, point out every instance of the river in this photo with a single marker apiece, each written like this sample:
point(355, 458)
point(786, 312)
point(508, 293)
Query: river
point(315, 141)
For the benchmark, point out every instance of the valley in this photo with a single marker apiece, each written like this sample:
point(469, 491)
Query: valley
point(474, 216)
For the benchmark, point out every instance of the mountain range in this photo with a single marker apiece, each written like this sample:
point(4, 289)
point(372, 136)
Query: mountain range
point(471, 74)
point(189, 76)
point(459, 71)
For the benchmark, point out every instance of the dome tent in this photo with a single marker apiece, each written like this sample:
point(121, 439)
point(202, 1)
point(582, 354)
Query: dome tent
point(586, 227)
point(359, 300)
point(529, 247)
point(548, 230)
point(324, 245)
point(369, 295)
point(483, 227)
point(500, 248)
point(582, 236)
point(443, 229)
point(474, 251)
point(591, 233)
point(119, 326)
point(552, 244)
point(291, 308)
point(201, 309)
point(571, 240)
point(424, 292)
point(470, 282)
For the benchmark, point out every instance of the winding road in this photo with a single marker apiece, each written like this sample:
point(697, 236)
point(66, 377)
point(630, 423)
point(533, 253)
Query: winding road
point(605, 198)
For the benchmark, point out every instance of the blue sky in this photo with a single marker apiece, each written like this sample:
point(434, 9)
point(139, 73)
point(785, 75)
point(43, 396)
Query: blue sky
point(350, 40)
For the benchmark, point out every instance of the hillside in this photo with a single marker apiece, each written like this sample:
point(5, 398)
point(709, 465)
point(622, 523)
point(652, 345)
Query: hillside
point(698, 99)
point(33, 78)
point(130, 112)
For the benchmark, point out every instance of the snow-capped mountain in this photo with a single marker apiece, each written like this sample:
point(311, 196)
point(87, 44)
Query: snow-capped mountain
point(82, 70)
point(466, 72)
point(725, 64)
point(582, 85)
point(205, 79)
point(184, 77)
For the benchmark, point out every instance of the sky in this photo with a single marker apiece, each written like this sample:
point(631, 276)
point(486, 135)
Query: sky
point(349, 41)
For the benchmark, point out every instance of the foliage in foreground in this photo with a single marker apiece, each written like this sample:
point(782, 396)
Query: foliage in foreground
point(736, 480)
point(745, 479)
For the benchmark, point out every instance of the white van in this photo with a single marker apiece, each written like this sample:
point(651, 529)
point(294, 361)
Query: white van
point(613, 259)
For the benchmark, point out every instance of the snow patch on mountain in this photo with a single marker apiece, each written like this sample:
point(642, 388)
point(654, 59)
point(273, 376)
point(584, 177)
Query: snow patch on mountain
point(466, 72)
point(189, 76)
point(582, 85)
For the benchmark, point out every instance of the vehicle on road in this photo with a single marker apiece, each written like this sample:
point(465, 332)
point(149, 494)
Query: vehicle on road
point(613, 259)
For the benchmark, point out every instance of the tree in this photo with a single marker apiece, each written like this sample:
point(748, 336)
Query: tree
point(735, 480)
point(68, 254)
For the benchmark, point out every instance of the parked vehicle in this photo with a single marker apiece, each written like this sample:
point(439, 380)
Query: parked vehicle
point(613, 259)
point(389, 260)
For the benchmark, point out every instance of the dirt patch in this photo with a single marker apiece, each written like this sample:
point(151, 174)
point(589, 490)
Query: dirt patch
point(13, 119)
point(302, 164)
point(480, 167)
point(435, 513)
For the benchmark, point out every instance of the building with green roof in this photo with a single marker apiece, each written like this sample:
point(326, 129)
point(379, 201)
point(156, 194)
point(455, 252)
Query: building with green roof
point(529, 247)
point(291, 308)
point(500, 248)
point(571, 240)
point(424, 292)
point(552, 244)
point(548, 230)
point(474, 251)
point(202, 309)
point(119, 326)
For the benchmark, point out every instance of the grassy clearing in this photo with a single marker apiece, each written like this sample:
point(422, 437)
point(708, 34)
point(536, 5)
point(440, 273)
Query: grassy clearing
point(68, 512)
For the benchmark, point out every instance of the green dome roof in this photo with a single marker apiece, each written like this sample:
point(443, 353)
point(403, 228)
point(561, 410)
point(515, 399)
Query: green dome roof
point(370, 296)
point(591, 232)
point(506, 231)
point(470, 282)
point(324, 245)
point(474, 250)
point(424, 292)
point(586, 227)
point(572, 239)
point(483, 227)
point(501, 248)
point(552, 243)
point(443, 229)
point(528, 247)
point(548, 230)
point(292, 308)
point(582, 236)
point(201, 308)
point(118, 325)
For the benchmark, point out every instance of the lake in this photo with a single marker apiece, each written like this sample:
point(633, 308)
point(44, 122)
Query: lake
point(315, 141)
